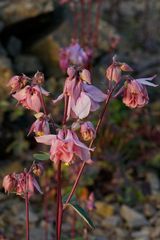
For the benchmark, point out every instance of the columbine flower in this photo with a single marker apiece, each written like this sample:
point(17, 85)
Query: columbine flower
point(83, 97)
point(65, 146)
point(87, 131)
point(135, 93)
point(74, 54)
point(20, 183)
point(29, 97)
point(114, 71)
point(40, 126)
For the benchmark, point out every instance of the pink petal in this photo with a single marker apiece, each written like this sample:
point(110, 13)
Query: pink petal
point(46, 139)
point(35, 103)
point(83, 106)
point(59, 98)
point(36, 185)
point(93, 92)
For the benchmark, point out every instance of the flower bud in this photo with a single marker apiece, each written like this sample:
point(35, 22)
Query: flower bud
point(38, 78)
point(85, 76)
point(38, 169)
point(75, 126)
point(113, 73)
point(125, 67)
point(87, 131)
point(71, 72)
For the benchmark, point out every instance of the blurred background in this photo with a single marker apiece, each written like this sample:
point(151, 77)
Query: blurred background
point(125, 178)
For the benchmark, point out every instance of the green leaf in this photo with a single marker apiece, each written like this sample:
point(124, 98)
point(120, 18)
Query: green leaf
point(73, 198)
point(82, 213)
point(42, 156)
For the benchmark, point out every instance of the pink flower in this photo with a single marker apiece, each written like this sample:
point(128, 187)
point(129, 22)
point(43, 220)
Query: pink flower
point(17, 82)
point(91, 202)
point(74, 54)
point(135, 93)
point(20, 183)
point(9, 183)
point(83, 97)
point(114, 71)
point(29, 97)
point(87, 131)
point(40, 126)
point(65, 146)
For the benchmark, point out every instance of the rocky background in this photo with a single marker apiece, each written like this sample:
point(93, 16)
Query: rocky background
point(125, 178)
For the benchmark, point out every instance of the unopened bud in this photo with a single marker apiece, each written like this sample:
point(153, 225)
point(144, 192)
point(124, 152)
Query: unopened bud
point(85, 76)
point(38, 169)
point(87, 131)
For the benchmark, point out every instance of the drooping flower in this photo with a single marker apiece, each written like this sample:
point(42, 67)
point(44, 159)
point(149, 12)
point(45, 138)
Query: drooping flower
point(87, 131)
point(65, 146)
point(40, 126)
point(20, 183)
point(135, 93)
point(114, 71)
point(29, 97)
point(74, 54)
point(83, 97)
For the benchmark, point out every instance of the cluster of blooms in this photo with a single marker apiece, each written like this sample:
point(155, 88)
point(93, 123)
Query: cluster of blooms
point(134, 91)
point(22, 183)
point(83, 97)
point(28, 91)
point(76, 55)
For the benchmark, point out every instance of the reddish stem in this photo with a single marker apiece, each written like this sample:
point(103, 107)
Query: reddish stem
point(82, 22)
point(59, 203)
point(96, 29)
point(46, 209)
point(89, 31)
point(27, 206)
point(45, 108)
point(90, 145)
point(66, 100)
point(75, 21)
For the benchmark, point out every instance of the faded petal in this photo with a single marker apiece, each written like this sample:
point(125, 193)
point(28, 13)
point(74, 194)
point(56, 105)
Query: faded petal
point(83, 106)
point(46, 139)
point(94, 93)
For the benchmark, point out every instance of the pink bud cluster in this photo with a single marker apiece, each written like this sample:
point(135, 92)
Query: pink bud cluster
point(76, 55)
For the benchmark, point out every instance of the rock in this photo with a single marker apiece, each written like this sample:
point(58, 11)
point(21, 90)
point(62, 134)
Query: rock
point(133, 218)
point(149, 210)
point(155, 233)
point(19, 10)
point(112, 221)
point(5, 74)
point(121, 234)
point(142, 234)
point(154, 182)
point(32, 216)
point(104, 209)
